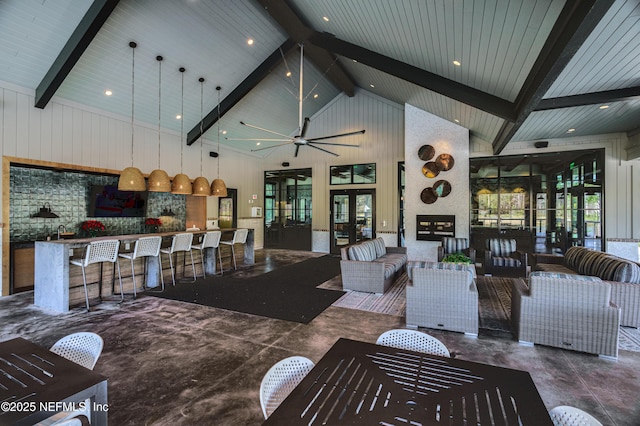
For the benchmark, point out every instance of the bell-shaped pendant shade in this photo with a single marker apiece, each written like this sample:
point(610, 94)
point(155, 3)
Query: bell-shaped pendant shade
point(218, 188)
point(131, 179)
point(181, 184)
point(159, 181)
point(201, 187)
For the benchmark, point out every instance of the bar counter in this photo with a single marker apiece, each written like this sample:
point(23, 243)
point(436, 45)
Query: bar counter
point(52, 268)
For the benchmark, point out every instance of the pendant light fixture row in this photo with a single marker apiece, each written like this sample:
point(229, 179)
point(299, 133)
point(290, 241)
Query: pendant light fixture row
point(131, 178)
point(159, 179)
point(201, 184)
point(181, 183)
point(218, 187)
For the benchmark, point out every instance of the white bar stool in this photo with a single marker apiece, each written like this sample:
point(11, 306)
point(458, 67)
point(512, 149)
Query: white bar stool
point(210, 240)
point(144, 247)
point(98, 252)
point(239, 237)
point(180, 242)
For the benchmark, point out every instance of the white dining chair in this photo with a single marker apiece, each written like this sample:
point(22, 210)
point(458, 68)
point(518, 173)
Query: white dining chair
point(210, 240)
point(564, 415)
point(239, 237)
point(413, 340)
point(97, 252)
point(144, 247)
point(280, 380)
point(180, 243)
point(83, 348)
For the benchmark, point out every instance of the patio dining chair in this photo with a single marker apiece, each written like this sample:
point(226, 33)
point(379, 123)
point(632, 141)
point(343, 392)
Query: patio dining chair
point(413, 340)
point(564, 415)
point(280, 380)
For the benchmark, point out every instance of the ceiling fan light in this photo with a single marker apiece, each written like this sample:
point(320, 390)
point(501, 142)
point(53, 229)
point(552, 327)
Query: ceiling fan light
point(218, 188)
point(159, 181)
point(201, 187)
point(181, 185)
point(131, 179)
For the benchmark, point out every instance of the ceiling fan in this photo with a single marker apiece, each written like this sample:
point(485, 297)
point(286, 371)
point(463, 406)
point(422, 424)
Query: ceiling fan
point(303, 125)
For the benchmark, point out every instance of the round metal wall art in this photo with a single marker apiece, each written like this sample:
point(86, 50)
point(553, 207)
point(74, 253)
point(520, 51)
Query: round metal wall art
point(445, 162)
point(442, 188)
point(430, 169)
point(426, 152)
point(428, 196)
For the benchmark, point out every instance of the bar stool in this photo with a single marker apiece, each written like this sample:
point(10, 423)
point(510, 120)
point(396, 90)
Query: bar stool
point(180, 242)
point(144, 247)
point(239, 237)
point(98, 252)
point(210, 240)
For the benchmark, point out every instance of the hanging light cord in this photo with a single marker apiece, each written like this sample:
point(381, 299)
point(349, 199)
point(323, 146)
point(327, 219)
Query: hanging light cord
point(182, 70)
point(218, 89)
point(201, 112)
point(159, 58)
point(133, 85)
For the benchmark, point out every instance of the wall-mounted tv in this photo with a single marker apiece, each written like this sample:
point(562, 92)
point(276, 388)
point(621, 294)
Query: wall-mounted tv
point(108, 201)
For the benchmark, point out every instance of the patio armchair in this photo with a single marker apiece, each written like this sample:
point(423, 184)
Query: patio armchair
point(503, 259)
point(451, 245)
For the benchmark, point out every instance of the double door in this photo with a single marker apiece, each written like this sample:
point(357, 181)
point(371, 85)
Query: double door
point(353, 217)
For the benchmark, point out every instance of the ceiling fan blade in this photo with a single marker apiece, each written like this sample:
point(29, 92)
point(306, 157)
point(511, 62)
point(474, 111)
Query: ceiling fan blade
point(321, 149)
point(336, 136)
point(264, 130)
point(272, 146)
point(297, 149)
point(259, 140)
point(335, 144)
point(305, 126)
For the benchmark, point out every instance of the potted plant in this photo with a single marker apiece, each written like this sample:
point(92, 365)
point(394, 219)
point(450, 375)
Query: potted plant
point(456, 258)
point(92, 227)
point(153, 223)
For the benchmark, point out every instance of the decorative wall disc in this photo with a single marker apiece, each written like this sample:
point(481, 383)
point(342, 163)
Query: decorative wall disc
point(428, 196)
point(430, 169)
point(442, 188)
point(445, 162)
point(426, 152)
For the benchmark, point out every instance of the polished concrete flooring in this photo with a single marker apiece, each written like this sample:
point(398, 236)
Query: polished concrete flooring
point(174, 363)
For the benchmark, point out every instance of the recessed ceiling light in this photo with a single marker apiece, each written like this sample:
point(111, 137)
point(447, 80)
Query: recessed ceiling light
point(108, 92)
point(571, 130)
point(288, 73)
point(250, 42)
point(457, 63)
point(372, 85)
point(178, 117)
point(354, 60)
point(315, 96)
point(325, 19)
point(257, 143)
point(604, 106)
point(456, 120)
point(224, 132)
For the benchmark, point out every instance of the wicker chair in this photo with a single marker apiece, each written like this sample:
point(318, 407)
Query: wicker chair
point(280, 380)
point(452, 245)
point(503, 259)
point(413, 340)
point(566, 311)
point(564, 415)
point(442, 299)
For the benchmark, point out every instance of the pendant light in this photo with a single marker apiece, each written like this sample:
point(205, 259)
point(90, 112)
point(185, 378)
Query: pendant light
point(218, 187)
point(131, 178)
point(201, 184)
point(181, 183)
point(159, 179)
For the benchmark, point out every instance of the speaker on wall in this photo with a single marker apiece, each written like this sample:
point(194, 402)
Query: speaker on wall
point(213, 154)
point(541, 144)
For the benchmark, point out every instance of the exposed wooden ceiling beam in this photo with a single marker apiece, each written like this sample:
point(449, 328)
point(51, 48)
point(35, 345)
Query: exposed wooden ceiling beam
point(298, 30)
point(241, 91)
point(604, 97)
point(86, 30)
point(575, 23)
point(452, 89)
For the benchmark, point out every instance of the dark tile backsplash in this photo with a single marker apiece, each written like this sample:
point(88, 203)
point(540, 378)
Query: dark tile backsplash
point(68, 195)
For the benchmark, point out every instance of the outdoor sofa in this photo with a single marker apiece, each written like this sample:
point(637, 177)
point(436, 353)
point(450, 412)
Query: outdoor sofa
point(370, 266)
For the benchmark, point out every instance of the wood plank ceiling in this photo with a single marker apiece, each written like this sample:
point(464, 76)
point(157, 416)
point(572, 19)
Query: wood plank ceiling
point(528, 69)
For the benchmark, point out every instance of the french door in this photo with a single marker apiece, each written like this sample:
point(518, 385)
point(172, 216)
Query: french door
point(353, 217)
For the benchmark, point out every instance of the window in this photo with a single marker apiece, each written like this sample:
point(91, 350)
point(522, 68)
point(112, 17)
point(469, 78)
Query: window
point(353, 174)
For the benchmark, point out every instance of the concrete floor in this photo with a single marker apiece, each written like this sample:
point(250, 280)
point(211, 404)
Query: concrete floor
point(178, 363)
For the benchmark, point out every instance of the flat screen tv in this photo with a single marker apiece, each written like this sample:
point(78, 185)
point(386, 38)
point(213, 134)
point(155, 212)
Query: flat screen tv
point(108, 201)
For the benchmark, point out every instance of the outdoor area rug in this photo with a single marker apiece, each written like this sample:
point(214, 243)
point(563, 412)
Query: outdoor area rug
point(288, 293)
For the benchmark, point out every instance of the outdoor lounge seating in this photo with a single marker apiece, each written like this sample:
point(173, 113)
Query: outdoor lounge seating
point(566, 311)
point(370, 266)
point(451, 245)
point(503, 259)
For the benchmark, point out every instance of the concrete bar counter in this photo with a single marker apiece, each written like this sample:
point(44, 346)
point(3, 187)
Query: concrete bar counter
point(58, 285)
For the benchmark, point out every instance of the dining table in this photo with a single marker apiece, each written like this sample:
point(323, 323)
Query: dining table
point(360, 383)
point(36, 383)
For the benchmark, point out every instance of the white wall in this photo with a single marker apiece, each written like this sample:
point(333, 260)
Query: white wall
point(422, 128)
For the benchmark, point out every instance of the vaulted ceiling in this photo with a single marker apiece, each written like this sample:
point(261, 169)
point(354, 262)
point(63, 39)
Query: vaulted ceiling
point(507, 70)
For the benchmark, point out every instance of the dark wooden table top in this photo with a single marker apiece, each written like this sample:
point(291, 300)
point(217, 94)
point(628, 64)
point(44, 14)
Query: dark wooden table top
point(31, 375)
point(358, 383)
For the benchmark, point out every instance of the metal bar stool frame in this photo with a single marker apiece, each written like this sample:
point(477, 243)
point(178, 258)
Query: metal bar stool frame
point(210, 240)
point(180, 242)
point(144, 247)
point(98, 252)
point(239, 237)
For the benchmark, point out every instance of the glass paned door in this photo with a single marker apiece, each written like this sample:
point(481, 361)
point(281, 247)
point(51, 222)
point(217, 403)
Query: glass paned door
point(352, 217)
